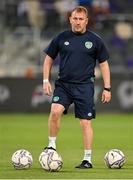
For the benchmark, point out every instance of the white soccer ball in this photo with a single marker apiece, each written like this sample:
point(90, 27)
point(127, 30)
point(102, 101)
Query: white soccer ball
point(22, 159)
point(50, 160)
point(114, 159)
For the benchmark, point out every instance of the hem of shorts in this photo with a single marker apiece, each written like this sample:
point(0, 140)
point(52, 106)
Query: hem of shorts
point(59, 103)
point(88, 118)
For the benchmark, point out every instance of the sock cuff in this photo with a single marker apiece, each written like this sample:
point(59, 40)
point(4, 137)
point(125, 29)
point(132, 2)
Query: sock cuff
point(52, 138)
point(87, 151)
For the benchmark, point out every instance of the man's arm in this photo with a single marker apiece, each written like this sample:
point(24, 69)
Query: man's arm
point(48, 62)
point(105, 70)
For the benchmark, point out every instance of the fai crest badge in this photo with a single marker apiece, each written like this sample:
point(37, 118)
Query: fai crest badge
point(56, 98)
point(88, 44)
point(66, 43)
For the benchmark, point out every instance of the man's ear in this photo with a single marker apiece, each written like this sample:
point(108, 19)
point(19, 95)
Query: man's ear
point(70, 18)
point(87, 21)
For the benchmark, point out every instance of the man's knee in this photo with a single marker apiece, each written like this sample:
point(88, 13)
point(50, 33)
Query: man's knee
point(56, 113)
point(85, 124)
point(56, 110)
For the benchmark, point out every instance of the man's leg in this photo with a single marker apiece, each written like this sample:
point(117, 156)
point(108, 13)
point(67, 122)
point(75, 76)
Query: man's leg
point(54, 123)
point(87, 132)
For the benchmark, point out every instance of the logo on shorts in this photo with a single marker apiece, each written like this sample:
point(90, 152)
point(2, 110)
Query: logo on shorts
point(66, 43)
point(88, 44)
point(56, 98)
point(90, 114)
point(92, 79)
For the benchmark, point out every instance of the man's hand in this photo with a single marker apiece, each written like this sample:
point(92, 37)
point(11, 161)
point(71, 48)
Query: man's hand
point(47, 88)
point(106, 96)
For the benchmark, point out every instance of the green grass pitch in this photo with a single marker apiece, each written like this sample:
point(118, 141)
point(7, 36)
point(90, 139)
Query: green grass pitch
point(29, 131)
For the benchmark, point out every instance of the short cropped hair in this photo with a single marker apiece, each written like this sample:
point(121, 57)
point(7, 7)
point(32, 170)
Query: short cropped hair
point(80, 9)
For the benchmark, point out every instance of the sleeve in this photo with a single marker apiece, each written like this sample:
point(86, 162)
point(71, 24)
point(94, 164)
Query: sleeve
point(53, 48)
point(102, 52)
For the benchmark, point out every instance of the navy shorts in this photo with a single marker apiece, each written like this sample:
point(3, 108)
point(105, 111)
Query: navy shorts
point(82, 95)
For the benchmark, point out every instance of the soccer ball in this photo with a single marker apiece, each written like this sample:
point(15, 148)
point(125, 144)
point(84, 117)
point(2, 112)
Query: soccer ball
point(114, 159)
point(50, 160)
point(22, 159)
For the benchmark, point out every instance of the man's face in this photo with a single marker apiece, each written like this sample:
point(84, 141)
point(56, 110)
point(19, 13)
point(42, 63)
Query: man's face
point(78, 21)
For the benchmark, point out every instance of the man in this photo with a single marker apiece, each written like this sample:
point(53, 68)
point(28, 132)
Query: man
point(78, 49)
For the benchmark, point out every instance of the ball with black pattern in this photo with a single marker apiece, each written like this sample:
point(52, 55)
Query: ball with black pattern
point(114, 159)
point(50, 160)
point(22, 159)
